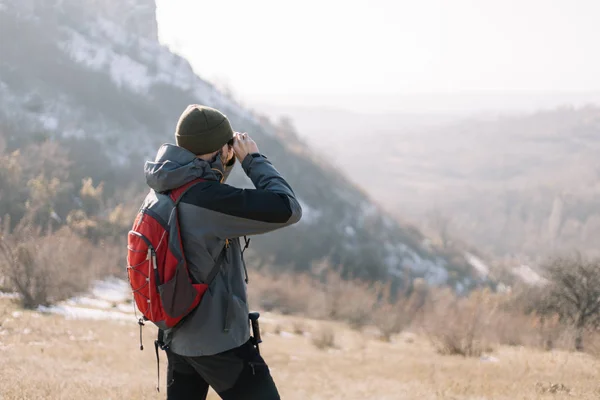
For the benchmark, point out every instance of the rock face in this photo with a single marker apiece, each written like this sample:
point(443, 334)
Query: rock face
point(94, 70)
point(137, 17)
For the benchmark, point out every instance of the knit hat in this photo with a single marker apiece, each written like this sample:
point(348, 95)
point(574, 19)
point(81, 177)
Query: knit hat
point(202, 130)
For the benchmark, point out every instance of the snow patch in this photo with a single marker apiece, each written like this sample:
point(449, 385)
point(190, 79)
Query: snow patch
point(400, 257)
point(108, 29)
point(477, 263)
point(113, 290)
point(84, 52)
point(71, 312)
point(369, 210)
point(107, 301)
point(310, 215)
point(49, 122)
point(436, 275)
point(528, 275)
point(489, 359)
point(89, 302)
point(151, 64)
point(126, 308)
point(126, 72)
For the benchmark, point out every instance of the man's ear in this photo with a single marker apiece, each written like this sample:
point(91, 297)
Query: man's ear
point(228, 155)
point(210, 156)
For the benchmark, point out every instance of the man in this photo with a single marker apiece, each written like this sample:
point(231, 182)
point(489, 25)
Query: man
point(211, 346)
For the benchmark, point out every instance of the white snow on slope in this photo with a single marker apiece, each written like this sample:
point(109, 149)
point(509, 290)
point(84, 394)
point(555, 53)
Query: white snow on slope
point(4, 295)
point(49, 122)
point(350, 231)
point(477, 263)
point(89, 302)
point(72, 312)
point(124, 71)
point(107, 300)
point(528, 275)
point(310, 215)
point(112, 289)
point(154, 64)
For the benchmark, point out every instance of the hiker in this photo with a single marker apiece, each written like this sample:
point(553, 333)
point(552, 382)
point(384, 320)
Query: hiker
point(212, 346)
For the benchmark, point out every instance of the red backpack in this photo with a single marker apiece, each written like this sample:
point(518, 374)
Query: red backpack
point(158, 273)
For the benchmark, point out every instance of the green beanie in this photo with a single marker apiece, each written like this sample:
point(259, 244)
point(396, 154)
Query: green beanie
point(202, 130)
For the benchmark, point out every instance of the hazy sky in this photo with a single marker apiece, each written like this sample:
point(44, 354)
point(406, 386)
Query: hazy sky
point(275, 50)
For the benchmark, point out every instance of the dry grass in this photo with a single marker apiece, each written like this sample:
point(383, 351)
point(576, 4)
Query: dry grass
point(47, 357)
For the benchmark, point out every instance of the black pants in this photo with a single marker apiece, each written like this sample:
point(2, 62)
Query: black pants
point(237, 374)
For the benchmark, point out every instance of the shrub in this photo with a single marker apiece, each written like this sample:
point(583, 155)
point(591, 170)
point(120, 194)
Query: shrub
point(285, 293)
point(349, 301)
point(298, 328)
point(48, 267)
point(392, 319)
point(456, 325)
point(324, 338)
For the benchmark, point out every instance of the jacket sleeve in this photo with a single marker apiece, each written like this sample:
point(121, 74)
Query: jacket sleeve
point(231, 212)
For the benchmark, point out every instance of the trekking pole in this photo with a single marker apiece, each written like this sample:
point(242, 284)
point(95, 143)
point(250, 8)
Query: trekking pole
point(256, 339)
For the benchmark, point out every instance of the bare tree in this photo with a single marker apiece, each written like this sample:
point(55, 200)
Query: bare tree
point(573, 293)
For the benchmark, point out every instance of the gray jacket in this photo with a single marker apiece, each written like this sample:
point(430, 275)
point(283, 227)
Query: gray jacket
point(210, 213)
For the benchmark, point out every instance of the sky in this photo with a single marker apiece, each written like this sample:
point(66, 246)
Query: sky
point(330, 52)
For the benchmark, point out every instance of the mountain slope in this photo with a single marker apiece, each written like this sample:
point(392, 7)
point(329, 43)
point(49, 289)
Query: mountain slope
point(94, 73)
point(523, 185)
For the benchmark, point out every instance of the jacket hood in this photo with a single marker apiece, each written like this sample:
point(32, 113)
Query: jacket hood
point(175, 166)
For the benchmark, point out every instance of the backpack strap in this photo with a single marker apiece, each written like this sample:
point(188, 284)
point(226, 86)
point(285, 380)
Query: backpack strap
point(177, 194)
point(215, 270)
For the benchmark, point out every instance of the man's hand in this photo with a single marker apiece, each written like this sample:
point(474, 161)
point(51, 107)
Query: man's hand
point(243, 145)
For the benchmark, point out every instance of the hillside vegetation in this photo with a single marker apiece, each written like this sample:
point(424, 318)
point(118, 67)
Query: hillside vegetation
point(523, 186)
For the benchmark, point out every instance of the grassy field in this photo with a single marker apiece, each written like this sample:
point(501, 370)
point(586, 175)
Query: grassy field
point(50, 357)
